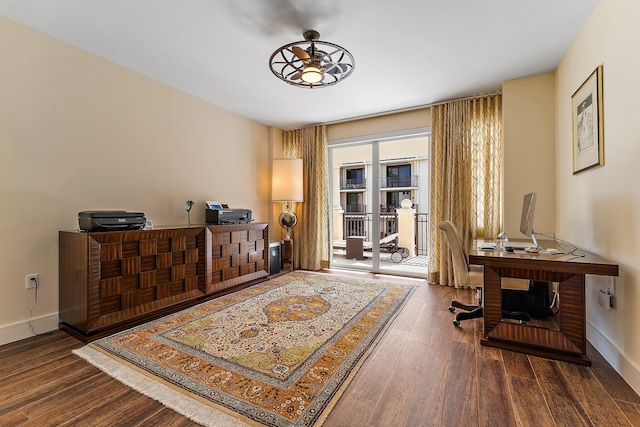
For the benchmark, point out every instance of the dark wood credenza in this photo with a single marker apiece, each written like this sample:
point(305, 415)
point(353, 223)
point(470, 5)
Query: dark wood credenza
point(109, 281)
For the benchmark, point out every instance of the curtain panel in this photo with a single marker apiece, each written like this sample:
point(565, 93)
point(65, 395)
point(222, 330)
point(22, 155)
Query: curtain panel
point(465, 176)
point(311, 235)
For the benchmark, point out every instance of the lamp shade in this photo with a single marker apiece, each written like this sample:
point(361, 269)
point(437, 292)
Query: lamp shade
point(286, 180)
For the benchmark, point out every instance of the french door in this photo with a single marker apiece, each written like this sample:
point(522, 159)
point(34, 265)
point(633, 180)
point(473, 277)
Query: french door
point(369, 181)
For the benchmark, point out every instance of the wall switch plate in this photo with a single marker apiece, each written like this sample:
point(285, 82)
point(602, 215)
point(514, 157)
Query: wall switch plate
point(32, 281)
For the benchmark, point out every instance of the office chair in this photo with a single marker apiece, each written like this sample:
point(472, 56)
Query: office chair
point(469, 275)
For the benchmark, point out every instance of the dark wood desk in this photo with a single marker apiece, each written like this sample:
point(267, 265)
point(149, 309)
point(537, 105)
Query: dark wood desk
point(568, 343)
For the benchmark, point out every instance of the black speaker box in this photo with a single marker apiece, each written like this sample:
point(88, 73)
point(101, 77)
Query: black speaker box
point(275, 257)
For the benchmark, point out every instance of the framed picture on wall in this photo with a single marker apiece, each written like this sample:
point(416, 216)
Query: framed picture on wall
point(588, 131)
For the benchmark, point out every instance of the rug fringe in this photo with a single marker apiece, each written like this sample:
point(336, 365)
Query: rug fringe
point(174, 399)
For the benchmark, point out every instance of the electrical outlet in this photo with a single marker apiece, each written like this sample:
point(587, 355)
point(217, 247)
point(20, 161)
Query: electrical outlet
point(32, 281)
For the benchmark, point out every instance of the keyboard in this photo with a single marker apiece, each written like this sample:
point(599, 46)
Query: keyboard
point(487, 246)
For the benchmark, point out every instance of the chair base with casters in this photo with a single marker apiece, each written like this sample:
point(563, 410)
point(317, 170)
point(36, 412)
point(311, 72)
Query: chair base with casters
point(471, 312)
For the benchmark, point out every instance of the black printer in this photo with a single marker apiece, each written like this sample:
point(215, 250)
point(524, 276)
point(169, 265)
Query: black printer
point(227, 216)
point(111, 220)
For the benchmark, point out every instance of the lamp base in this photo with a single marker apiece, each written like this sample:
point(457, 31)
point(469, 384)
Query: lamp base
point(288, 220)
point(287, 255)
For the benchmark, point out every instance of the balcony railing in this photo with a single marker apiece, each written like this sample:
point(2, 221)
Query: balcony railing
point(353, 184)
point(359, 224)
point(355, 208)
point(398, 181)
point(422, 227)
point(392, 208)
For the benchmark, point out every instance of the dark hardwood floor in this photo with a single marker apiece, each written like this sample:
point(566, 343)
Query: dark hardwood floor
point(424, 372)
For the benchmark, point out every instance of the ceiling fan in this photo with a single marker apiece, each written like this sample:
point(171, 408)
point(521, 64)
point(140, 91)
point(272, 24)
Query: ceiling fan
point(312, 63)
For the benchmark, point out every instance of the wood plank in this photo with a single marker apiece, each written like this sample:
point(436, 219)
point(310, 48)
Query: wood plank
point(351, 411)
point(392, 405)
point(410, 313)
point(610, 379)
point(25, 345)
point(597, 403)
point(631, 411)
point(23, 382)
point(13, 418)
point(494, 402)
point(130, 406)
point(167, 418)
point(461, 381)
point(427, 402)
point(564, 405)
point(377, 366)
point(14, 364)
point(517, 365)
point(62, 407)
point(65, 380)
point(529, 404)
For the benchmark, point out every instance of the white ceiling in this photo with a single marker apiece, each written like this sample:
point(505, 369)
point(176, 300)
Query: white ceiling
point(407, 53)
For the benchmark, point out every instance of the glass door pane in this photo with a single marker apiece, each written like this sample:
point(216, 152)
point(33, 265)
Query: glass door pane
point(404, 168)
point(370, 229)
point(351, 181)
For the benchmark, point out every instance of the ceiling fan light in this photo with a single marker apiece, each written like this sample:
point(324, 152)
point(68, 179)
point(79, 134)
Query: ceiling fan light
point(304, 63)
point(312, 74)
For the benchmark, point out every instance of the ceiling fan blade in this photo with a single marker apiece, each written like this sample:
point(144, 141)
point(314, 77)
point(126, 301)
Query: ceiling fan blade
point(296, 76)
point(336, 68)
point(300, 53)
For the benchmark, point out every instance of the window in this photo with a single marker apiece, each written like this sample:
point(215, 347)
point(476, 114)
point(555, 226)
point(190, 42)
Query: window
point(398, 176)
point(355, 178)
point(355, 202)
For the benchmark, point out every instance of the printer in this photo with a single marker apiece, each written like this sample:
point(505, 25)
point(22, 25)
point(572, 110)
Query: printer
point(227, 216)
point(110, 220)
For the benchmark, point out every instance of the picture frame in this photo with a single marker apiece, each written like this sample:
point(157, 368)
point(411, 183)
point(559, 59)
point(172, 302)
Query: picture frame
point(588, 124)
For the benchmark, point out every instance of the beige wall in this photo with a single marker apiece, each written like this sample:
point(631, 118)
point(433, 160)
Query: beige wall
point(77, 133)
point(599, 210)
point(528, 108)
point(276, 233)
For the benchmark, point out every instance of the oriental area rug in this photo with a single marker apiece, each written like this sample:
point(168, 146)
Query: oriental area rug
point(279, 353)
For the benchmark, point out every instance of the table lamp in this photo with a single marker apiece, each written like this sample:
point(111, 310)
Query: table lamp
point(286, 187)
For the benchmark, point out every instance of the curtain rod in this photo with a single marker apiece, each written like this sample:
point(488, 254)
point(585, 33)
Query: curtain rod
point(401, 110)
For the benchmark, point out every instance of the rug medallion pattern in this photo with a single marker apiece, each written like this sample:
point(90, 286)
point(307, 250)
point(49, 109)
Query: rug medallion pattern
point(276, 352)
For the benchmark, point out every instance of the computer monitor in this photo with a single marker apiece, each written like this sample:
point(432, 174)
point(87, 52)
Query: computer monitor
point(526, 222)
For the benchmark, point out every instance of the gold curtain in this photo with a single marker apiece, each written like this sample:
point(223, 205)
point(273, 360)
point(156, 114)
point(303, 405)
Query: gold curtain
point(311, 235)
point(465, 176)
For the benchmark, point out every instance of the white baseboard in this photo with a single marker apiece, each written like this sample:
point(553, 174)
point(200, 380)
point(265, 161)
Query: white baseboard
point(20, 331)
point(616, 358)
